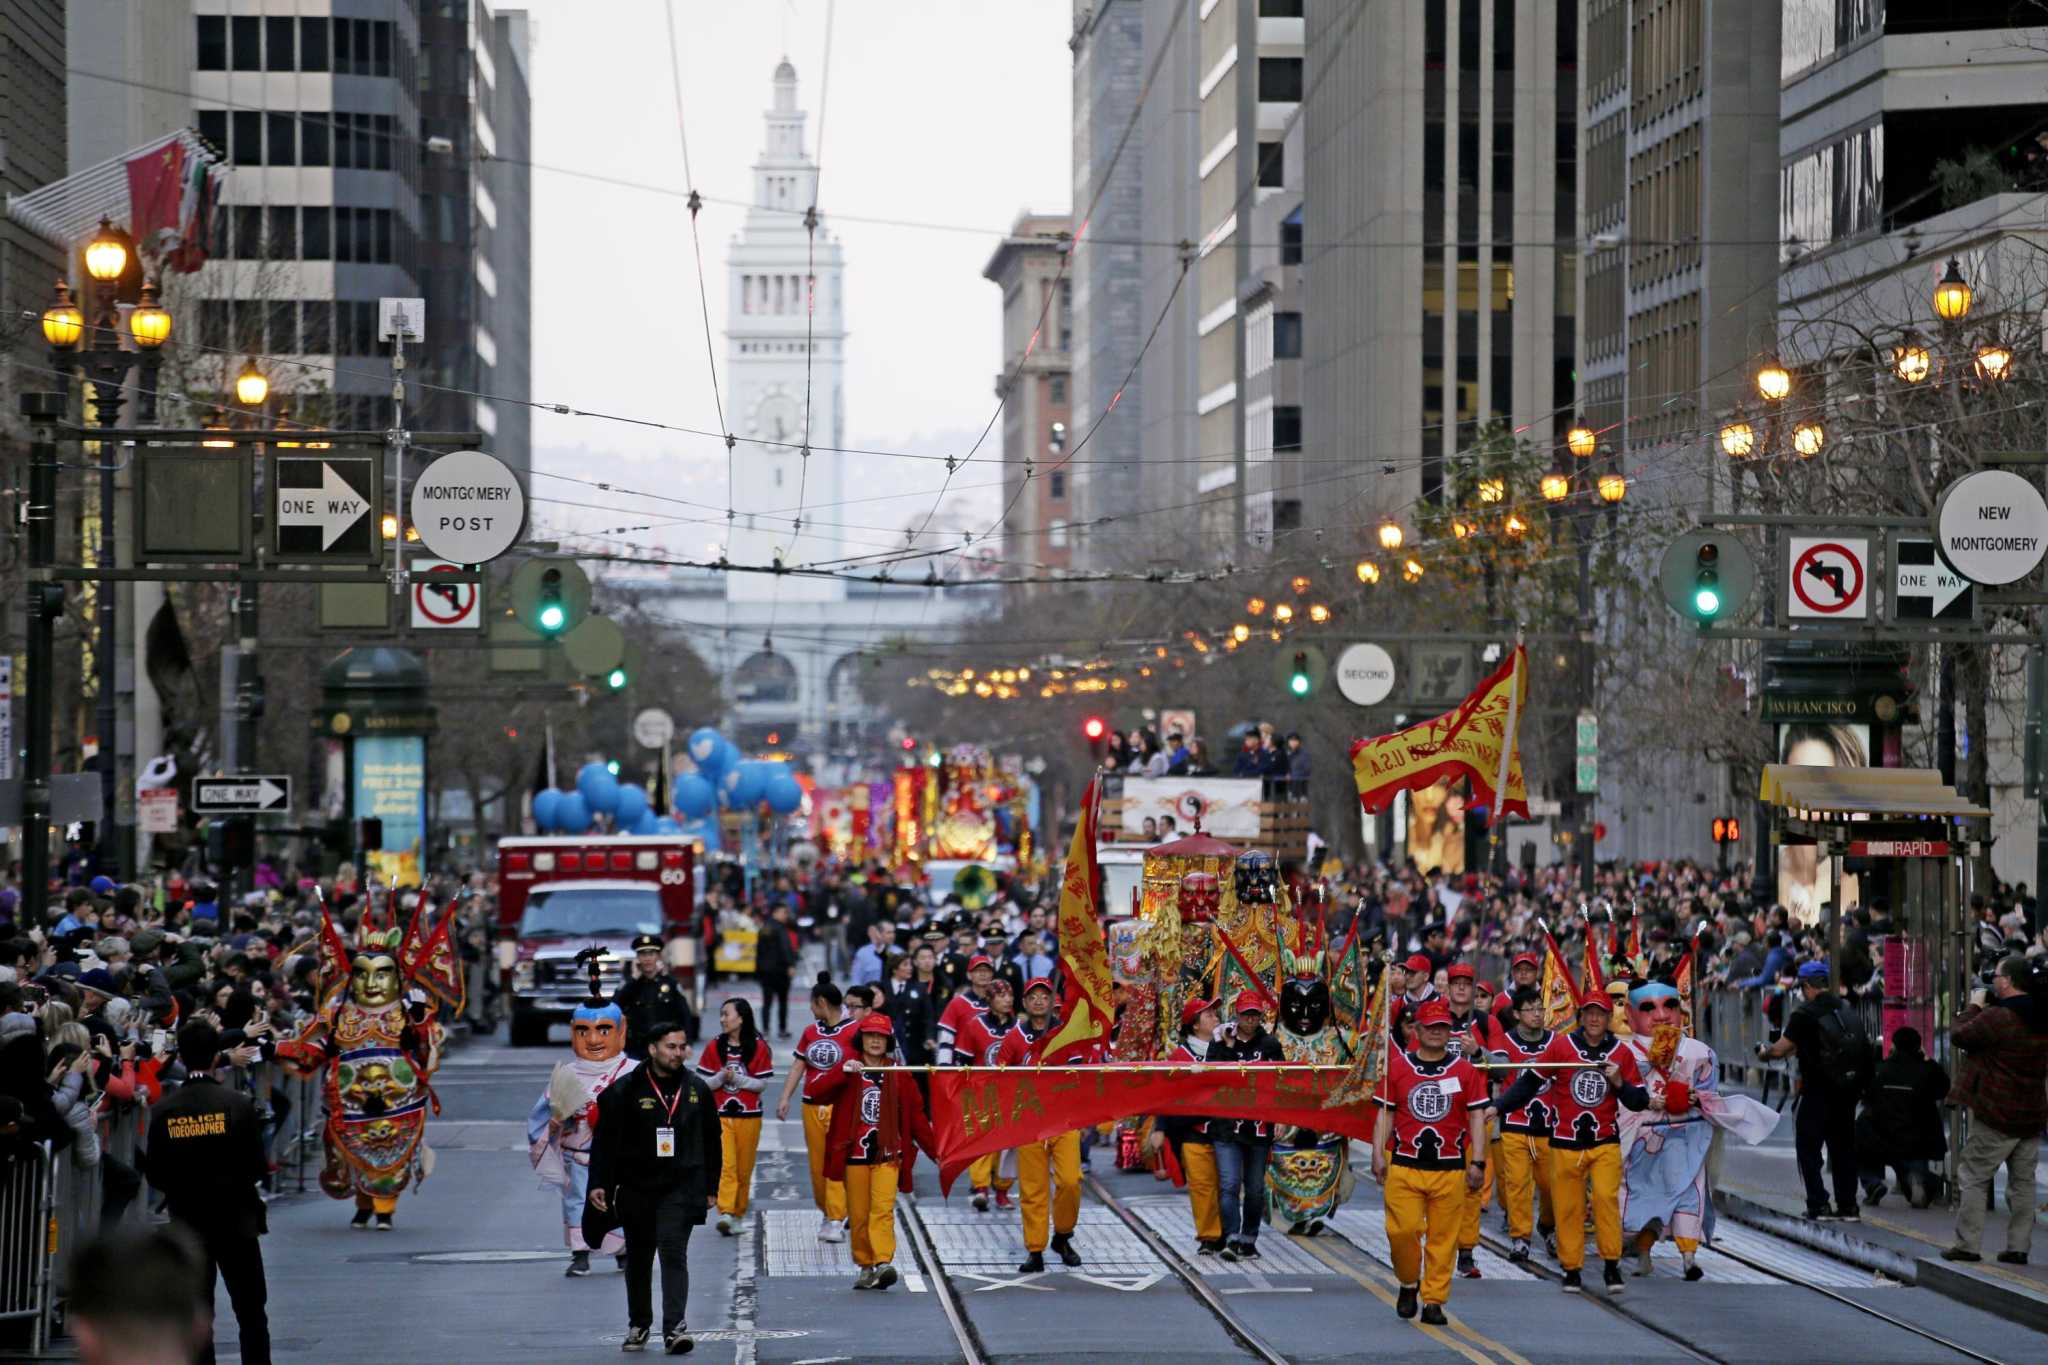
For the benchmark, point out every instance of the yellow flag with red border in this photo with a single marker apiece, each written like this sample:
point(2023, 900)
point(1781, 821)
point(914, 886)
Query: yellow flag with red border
point(1479, 740)
point(1087, 1002)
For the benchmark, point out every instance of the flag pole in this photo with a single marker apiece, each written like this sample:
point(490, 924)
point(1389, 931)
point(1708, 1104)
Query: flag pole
point(1498, 823)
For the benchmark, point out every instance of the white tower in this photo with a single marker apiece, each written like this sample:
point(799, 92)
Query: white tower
point(773, 276)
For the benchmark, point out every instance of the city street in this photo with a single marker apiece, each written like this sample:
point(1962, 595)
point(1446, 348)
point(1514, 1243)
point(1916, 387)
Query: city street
point(473, 1272)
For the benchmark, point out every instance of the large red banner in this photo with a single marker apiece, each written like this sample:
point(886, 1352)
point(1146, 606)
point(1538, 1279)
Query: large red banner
point(978, 1111)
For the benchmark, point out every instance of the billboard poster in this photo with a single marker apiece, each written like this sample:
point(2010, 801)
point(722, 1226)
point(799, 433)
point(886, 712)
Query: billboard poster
point(390, 784)
point(1436, 828)
point(1157, 810)
point(1806, 880)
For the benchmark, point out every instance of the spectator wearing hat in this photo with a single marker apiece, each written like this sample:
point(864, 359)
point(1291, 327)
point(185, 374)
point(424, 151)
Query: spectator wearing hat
point(1192, 1140)
point(1836, 1062)
point(878, 1123)
point(1418, 975)
point(650, 996)
point(1243, 1146)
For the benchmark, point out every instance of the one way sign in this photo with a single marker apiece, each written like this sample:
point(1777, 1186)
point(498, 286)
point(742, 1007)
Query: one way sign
point(241, 794)
point(1925, 589)
point(326, 508)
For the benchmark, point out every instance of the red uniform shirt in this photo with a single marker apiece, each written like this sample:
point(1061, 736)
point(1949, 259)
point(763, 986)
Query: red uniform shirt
point(979, 1038)
point(1018, 1042)
point(865, 1092)
point(1538, 1116)
point(823, 1048)
point(1472, 1035)
point(735, 1100)
point(1431, 1102)
point(962, 1007)
point(1585, 1104)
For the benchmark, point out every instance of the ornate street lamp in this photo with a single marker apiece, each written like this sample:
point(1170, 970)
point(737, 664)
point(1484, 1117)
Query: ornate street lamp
point(1773, 382)
point(1911, 361)
point(1994, 362)
point(63, 323)
point(1556, 487)
point(251, 387)
point(1391, 535)
point(1808, 438)
point(1581, 441)
point(1952, 296)
point(1738, 438)
point(1613, 488)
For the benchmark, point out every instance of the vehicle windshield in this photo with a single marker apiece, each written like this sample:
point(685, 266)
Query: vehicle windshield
point(587, 912)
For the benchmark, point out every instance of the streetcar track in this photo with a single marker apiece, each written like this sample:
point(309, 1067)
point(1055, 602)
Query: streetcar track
point(973, 1350)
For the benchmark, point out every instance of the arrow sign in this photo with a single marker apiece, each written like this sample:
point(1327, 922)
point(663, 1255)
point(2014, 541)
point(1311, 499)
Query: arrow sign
point(1924, 588)
point(242, 794)
point(326, 507)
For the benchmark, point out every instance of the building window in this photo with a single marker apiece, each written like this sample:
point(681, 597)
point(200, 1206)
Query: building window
point(1272, 164)
point(1059, 484)
point(316, 326)
point(1286, 429)
point(315, 140)
point(278, 44)
point(1287, 336)
point(313, 44)
point(1280, 9)
point(283, 241)
point(1057, 535)
point(213, 324)
point(1059, 388)
point(1290, 238)
point(316, 232)
point(283, 145)
point(1280, 79)
point(247, 36)
point(213, 42)
point(213, 126)
point(247, 149)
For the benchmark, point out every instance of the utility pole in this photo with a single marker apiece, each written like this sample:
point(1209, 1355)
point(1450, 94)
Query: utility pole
point(45, 604)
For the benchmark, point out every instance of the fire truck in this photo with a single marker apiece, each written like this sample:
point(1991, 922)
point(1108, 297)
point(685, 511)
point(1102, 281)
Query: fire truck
point(559, 894)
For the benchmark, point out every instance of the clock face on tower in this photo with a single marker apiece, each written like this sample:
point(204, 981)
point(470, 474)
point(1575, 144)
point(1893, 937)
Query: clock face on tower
point(777, 418)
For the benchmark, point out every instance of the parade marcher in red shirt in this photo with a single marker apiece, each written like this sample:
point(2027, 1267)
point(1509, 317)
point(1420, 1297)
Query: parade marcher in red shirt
point(878, 1123)
point(977, 1044)
point(1428, 1153)
point(1055, 1161)
point(973, 1000)
point(1190, 1136)
point(1473, 1032)
point(1419, 987)
point(736, 1066)
point(1527, 970)
point(1522, 1155)
point(821, 1050)
point(1585, 1139)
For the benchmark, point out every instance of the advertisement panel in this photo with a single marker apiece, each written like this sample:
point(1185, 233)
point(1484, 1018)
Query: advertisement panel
point(390, 783)
point(1436, 828)
point(1157, 809)
point(1806, 880)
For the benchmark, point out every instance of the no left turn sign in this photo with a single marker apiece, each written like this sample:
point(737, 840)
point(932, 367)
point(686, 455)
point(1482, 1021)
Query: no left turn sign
point(439, 604)
point(1827, 578)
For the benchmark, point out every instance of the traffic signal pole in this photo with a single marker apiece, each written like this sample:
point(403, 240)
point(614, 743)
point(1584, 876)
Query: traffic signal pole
point(1591, 799)
point(45, 603)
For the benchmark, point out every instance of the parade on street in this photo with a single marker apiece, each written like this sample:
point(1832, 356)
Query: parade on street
point(1010, 681)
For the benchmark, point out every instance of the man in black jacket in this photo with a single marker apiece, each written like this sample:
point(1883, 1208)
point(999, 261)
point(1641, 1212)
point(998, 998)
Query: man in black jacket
point(650, 996)
point(654, 1169)
point(206, 1154)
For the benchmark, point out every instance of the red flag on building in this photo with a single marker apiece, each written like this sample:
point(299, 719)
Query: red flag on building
point(156, 193)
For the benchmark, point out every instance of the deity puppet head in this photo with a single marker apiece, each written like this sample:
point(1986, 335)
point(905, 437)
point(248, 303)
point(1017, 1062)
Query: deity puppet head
point(1655, 1013)
point(1258, 878)
point(374, 980)
point(1304, 1005)
point(597, 1030)
point(1201, 894)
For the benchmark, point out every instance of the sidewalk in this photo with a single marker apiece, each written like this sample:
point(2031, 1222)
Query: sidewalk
point(1759, 1186)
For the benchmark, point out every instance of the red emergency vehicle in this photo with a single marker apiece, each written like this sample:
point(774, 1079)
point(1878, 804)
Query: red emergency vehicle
point(559, 894)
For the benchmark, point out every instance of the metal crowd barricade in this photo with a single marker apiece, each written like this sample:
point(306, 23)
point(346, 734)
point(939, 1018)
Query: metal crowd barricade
point(28, 1216)
point(1733, 1023)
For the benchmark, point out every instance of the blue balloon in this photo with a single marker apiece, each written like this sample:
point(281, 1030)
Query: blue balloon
point(706, 830)
point(630, 805)
point(784, 795)
point(741, 787)
point(573, 815)
point(547, 808)
point(666, 824)
point(598, 787)
point(694, 795)
point(645, 824)
point(702, 745)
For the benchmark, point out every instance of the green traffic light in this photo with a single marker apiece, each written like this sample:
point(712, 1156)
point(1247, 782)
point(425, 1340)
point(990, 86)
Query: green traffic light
point(1707, 602)
point(617, 678)
point(1298, 684)
point(553, 617)
point(612, 766)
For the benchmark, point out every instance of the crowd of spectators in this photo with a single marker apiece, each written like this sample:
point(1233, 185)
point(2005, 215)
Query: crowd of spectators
point(1278, 760)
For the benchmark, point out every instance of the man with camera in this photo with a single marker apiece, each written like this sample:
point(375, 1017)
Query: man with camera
point(2004, 1038)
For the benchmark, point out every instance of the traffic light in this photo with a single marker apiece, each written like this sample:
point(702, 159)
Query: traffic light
point(1298, 681)
point(550, 597)
point(615, 679)
point(1299, 673)
point(1707, 576)
point(1727, 829)
point(1096, 731)
point(553, 613)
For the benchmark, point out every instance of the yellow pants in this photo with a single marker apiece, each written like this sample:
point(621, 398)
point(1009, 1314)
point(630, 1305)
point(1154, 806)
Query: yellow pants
point(982, 1174)
point(1475, 1204)
point(871, 1203)
point(1198, 1159)
point(1524, 1163)
point(377, 1203)
point(829, 1195)
point(738, 1140)
point(1572, 1169)
point(1424, 1211)
point(1055, 1161)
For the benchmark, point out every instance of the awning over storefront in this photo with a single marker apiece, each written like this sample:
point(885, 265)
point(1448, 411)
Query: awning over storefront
point(1835, 794)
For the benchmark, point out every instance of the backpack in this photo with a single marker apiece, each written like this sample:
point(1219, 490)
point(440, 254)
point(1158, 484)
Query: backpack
point(1843, 1059)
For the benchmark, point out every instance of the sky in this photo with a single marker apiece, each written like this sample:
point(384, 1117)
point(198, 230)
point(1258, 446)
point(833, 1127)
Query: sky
point(946, 111)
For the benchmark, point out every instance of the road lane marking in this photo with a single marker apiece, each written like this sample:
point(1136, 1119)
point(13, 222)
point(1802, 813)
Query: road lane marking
point(1437, 1334)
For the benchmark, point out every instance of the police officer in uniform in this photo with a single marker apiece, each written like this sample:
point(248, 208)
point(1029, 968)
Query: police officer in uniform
point(206, 1155)
point(650, 995)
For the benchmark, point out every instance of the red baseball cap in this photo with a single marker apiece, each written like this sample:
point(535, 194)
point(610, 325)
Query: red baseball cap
point(1530, 958)
point(1433, 1012)
point(1193, 1011)
point(876, 1022)
point(1418, 963)
point(1461, 971)
point(980, 960)
point(1489, 987)
point(1249, 1002)
point(1038, 983)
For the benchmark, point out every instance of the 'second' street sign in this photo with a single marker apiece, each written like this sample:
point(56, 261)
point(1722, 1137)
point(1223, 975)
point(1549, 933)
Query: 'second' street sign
point(468, 507)
point(241, 794)
point(1827, 578)
point(324, 508)
point(653, 728)
point(1925, 589)
point(1365, 674)
point(1992, 527)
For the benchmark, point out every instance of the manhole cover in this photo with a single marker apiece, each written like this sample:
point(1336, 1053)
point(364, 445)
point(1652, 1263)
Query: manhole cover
point(484, 1257)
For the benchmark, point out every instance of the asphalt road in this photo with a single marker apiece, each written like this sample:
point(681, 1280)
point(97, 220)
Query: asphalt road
point(473, 1272)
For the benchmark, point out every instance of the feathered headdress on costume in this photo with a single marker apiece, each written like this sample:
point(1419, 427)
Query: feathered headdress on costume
point(428, 962)
point(595, 1005)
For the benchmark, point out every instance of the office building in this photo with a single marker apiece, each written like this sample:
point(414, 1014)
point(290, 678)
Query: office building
point(1034, 384)
point(32, 154)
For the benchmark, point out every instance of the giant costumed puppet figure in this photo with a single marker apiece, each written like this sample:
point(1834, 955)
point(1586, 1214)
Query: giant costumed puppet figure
point(1664, 1148)
point(1305, 1178)
point(375, 1039)
point(562, 1126)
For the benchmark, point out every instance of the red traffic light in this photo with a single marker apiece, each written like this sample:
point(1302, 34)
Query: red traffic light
point(909, 743)
point(1727, 829)
point(1094, 727)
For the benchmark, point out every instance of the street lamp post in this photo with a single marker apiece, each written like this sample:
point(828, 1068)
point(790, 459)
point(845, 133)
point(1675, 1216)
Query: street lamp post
point(1585, 489)
point(252, 391)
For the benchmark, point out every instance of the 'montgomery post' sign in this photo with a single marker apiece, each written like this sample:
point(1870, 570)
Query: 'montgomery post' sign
point(468, 507)
point(1992, 526)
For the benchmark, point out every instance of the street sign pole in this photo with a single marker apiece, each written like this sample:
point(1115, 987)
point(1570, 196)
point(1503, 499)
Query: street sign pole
point(45, 601)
